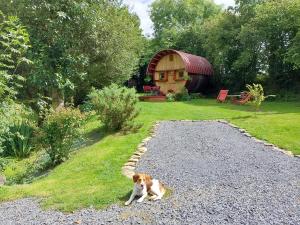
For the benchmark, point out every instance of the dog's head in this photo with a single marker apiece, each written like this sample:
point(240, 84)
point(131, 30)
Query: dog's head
point(142, 180)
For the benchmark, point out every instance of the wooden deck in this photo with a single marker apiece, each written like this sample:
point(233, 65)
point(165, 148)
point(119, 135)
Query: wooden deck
point(153, 98)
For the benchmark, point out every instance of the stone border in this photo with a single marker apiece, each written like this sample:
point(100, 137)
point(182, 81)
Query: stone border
point(130, 165)
point(274, 147)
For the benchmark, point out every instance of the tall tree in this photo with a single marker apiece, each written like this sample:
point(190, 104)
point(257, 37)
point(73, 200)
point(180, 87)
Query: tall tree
point(222, 44)
point(14, 43)
point(177, 23)
point(78, 44)
point(272, 36)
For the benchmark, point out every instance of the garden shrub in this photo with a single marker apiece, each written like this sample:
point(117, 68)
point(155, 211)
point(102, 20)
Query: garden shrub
point(12, 115)
point(170, 97)
point(196, 96)
point(59, 130)
point(257, 93)
point(183, 95)
point(3, 163)
point(116, 107)
point(18, 142)
point(26, 170)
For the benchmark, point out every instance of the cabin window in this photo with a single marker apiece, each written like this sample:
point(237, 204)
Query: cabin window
point(162, 76)
point(171, 58)
point(181, 75)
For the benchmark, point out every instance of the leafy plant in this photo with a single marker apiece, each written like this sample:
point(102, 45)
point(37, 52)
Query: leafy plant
point(60, 129)
point(186, 77)
point(3, 163)
point(18, 142)
point(196, 95)
point(183, 95)
point(70, 51)
point(14, 43)
point(148, 78)
point(24, 171)
point(257, 93)
point(171, 97)
point(116, 107)
point(10, 114)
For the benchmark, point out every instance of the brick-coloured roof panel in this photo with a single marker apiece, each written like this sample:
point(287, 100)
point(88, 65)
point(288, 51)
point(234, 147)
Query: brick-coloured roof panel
point(193, 64)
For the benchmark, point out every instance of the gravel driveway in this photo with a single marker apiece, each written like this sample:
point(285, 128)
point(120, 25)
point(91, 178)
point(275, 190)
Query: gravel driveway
point(217, 176)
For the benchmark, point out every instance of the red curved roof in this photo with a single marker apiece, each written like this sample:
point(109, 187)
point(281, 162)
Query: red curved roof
point(193, 64)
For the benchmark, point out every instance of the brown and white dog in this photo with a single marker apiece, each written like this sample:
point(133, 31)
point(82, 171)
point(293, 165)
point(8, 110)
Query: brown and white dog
point(144, 185)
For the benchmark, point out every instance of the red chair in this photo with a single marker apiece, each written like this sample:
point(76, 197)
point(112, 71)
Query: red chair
point(222, 95)
point(243, 100)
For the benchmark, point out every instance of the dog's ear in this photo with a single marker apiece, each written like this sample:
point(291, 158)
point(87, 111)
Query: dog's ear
point(135, 177)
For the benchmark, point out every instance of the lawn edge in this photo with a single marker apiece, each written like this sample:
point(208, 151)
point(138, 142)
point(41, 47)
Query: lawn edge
point(129, 167)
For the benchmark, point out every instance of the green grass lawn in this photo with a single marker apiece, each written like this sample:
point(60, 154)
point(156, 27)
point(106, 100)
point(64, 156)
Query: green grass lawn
point(92, 176)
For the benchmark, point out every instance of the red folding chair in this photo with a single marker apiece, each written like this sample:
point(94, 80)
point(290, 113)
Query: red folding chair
point(243, 100)
point(222, 95)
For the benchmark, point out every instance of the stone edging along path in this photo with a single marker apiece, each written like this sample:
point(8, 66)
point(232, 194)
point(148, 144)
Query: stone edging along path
point(128, 169)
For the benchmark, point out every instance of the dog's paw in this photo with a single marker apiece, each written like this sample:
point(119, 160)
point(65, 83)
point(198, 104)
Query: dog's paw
point(140, 200)
point(127, 203)
point(157, 198)
point(152, 197)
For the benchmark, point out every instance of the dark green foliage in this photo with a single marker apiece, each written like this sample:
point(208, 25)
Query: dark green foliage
point(60, 130)
point(270, 37)
point(176, 22)
point(256, 41)
point(183, 95)
point(86, 107)
point(196, 95)
point(77, 44)
point(116, 107)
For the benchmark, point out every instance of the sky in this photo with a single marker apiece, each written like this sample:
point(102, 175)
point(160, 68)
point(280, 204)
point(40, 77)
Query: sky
point(141, 8)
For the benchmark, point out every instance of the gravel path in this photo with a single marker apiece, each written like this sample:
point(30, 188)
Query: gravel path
point(217, 176)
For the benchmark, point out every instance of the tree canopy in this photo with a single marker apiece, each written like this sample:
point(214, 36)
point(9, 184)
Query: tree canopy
point(93, 43)
point(14, 43)
point(76, 45)
point(255, 41)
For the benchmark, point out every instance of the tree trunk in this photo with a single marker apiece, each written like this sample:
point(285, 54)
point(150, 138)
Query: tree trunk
point(58, 99)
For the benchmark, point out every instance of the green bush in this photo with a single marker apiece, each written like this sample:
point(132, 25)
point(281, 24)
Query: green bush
point(196, 96)
point(12, 114)
point(183, 95)
point(171, 97)
point(26, 170)
point(60, 130)
point(3, 163)
point(116, 107)
point(86, 107)
point(257, 93)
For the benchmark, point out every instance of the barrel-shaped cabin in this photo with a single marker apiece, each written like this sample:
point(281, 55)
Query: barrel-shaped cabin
point(173, 70)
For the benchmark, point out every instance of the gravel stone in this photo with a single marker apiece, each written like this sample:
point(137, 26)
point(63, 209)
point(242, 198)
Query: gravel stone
point(215, 174)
